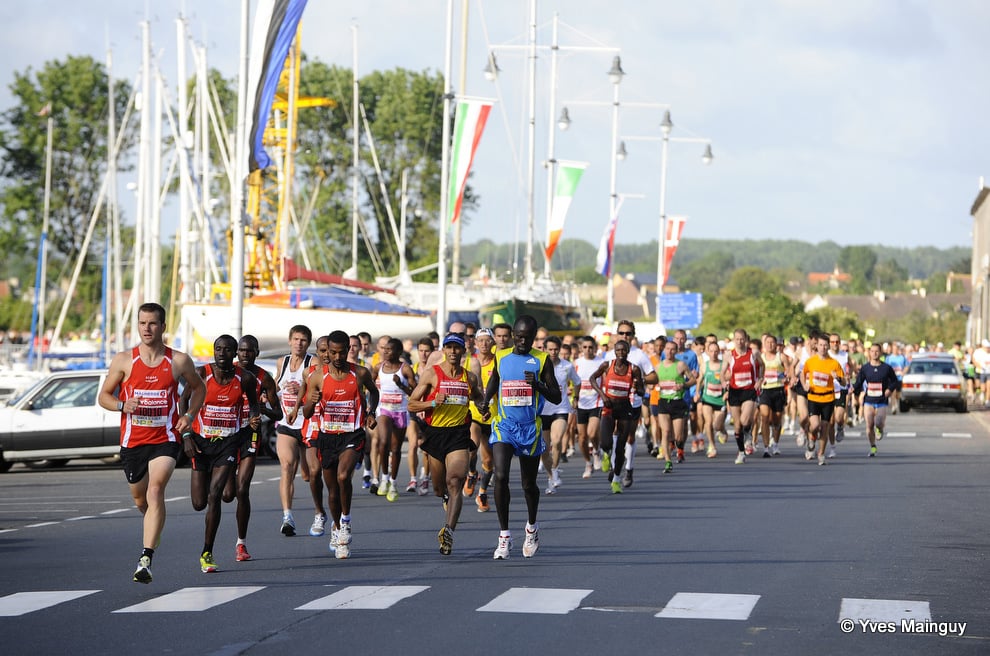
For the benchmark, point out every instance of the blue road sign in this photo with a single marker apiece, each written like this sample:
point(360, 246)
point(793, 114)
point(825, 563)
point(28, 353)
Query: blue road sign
point(680, 311)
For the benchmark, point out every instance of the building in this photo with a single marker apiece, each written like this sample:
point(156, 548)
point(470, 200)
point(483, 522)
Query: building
point(978, 327)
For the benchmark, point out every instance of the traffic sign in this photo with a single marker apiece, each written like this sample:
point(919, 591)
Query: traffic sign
point(680, 311)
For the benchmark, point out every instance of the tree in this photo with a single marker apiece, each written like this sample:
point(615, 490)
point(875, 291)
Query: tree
point(77, 91)
point(858, 262)
point(707, 274)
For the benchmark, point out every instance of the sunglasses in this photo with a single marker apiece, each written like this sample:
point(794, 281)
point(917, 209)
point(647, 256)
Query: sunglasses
point(626, 334)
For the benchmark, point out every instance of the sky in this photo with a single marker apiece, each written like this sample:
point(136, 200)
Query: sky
point(856, 121)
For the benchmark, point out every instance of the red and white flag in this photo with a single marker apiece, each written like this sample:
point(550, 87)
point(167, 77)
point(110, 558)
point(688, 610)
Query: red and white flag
point(675, 226)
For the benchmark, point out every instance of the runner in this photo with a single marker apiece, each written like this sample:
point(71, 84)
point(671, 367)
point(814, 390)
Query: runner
point(619, 381)
point(416, 426)
point(710, 395)
point(291, 450)
point(837, 427)
point(310, 431)
point(773, 396)
point(589, 405)
point(443, 393)
point(239, 484)
point(521, 382)
point(213, 441)
point(481, 426)
point(819, 375)
point(395, 381)
point(874, 386)
point(626, 330)
point(342, 387)
point(142, 384)
point(742, 373)
point(555, 414)
point(675, 377)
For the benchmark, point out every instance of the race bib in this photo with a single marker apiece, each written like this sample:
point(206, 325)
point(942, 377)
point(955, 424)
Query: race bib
point(218, 421)
point(714, 389)
point(771, 376)
point(391, 401)
point(742, 379)
point(339, 417)
point(874, 389)
point(152, 410)
point(516, 393)
point(819, 379)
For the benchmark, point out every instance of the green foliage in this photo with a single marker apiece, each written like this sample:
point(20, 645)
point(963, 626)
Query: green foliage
point(945, 325)
point(858, 262)
point(707, 274)
point(835, 320)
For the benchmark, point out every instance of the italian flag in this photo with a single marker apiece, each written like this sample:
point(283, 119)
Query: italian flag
point(568, 176)
point(469, 123)
point(675, 226)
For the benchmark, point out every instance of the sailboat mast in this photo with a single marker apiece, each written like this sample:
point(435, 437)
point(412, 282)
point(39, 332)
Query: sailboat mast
point(455, 267)
point(355, 153)
point(552, 133)
point(240, 175)
point(441, 324)
point(531, 169)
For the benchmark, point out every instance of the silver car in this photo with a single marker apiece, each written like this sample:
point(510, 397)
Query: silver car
point(58, 419)
point(933, 380)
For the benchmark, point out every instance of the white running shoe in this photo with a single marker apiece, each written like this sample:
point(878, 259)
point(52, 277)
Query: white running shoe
point(598, 460)
point(809, 454)
point(424, 487)
point(587, 470)
point(319, 526)
point(550, 488)
point(555, 479)
point(821, 461)
point(741, 459)
point(344, 534)
point(774, 448)
point(532, 543)
point(830, 452)
point(503, 548)
point(800, 438)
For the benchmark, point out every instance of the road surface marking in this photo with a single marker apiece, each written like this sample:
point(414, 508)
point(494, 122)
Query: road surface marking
point(893, 434)
point(709, 606)
point(21, 603)
point(549, 601)
point(884, 610)
point(76, 519)
point(114, 512)
point(192, 599)
point(965, 436)
point(365, 597)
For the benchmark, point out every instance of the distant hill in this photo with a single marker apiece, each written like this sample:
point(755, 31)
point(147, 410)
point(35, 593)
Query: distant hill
point(573, 254)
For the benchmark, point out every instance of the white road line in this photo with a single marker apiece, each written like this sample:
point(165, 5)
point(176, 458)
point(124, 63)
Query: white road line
point(21, 603)
point(965, 436)
point(276, 478)
point(884, 610)
point(40, 524)
point(893, 434)
point(548, 601)
point(9, 530)
point(114, 512)
point(192, 599)
point(175, 499)
point(709, 606)
point(76, 519)
point(365, 597)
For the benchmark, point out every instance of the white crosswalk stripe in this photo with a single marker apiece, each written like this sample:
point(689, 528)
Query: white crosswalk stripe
point(365, 597)
point(709, 606)
point(884, 610)
point(192, 599)
point(551, 601)
point(21, 603)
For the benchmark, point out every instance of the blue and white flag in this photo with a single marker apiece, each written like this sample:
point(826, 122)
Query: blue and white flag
point(275, 27)
point(606, 246)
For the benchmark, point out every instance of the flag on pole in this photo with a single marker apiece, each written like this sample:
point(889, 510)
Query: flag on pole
point(469, 122)
point(274, 29)
point(603, 265)
point(675, 226)
point(568, 176)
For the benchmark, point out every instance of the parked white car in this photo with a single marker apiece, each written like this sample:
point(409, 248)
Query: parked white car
point(58, 419)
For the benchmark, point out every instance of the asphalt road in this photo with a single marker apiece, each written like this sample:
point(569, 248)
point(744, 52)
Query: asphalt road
point(763, 558)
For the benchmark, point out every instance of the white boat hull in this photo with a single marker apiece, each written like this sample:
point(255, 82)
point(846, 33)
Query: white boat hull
point(202, 323)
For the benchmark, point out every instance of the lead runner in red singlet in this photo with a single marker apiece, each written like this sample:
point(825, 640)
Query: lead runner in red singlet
point(142, 384)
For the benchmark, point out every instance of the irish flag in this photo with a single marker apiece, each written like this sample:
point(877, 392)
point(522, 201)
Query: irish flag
point(469, 123)
point(568, 176)
point(675, 226)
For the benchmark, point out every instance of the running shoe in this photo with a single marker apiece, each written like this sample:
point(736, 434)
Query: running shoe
point(616, 487)
point(774, 448)
point(143, 572)
point(319, 526)
point(444, 500)
point(653, 451)
point(424, 487)
point(206, 563)
point(881, 432)
point(821, 461)
point(873, 452)
point(840, 432)
point(472, 480)
point(809, 454)
point(413, 485)
point(366, 482)
point(766, 452)
point(830, 452)
point(722, 437)
point(550, 488)
point(569, 452)
point(668, 467)
point(241, 553)
point(288, 526)
point(334, 542)
point(587, 470)
point(391, 494)
point(627, 478)
point(680, 456)
point(749, 449)
point(564, 457)
point(694, 446)
point(380, 489)
point(344, 533)
point(597, 457)
point(532, 543)
point(482, 502)
point(342, 552)
point(799, 440)
point(606, 462)
point(503, 548)
point(446, 539)
point(712, 452)
point(555, 478)
point(741, 459)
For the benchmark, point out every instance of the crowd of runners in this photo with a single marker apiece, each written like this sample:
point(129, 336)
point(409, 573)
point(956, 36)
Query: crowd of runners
point(466, 404)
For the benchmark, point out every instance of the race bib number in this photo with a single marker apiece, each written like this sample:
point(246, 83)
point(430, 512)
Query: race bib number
point(455, 392)
point(339, 417)
point(516, 394)
point(587, 391)
point(771, 377)
point(714, 389)
point(742, 379)
point(874, 389)
point(391, 401)
point(218, 421)
point(617, 389)
point(819, 379)
point(668, 387)
point(152, 410)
